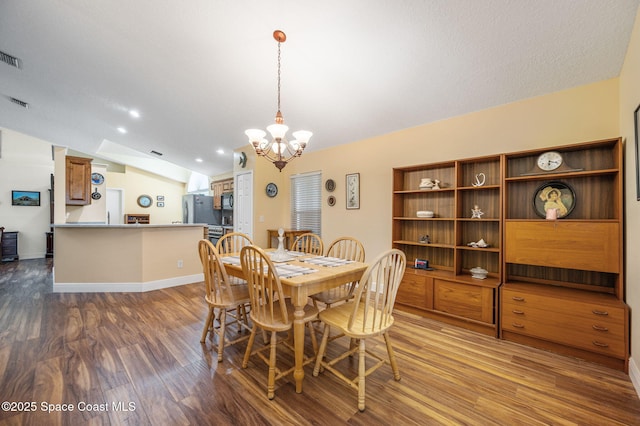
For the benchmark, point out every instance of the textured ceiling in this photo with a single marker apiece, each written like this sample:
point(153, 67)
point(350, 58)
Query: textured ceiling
point(202, 71)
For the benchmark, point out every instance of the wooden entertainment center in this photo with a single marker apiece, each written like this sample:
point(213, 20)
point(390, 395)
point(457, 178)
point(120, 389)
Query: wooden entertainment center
point(553, 283)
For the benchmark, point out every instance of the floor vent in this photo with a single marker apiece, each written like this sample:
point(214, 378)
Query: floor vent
point(10, 60)
point(23, 104)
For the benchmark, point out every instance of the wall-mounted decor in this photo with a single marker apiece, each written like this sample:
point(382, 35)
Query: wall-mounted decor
point(160, 203)
point(353, 191)
point(160, 198)
point(331, 200)
point(330, 185)
point(145, 201)
point(636, 120)
point(25, 198)
point(554, 195)
point(97, 178)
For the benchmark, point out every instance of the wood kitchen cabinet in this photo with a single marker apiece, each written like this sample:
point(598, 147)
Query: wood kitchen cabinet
point(217, 188)
point(77, 181)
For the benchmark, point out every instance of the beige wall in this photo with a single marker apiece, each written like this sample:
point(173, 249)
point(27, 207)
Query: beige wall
point(629, 100)
point(571, 116)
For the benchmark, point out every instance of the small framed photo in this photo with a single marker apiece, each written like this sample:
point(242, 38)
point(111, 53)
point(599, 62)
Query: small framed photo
point(25, 198)
point(160, 203)
point(353, 191)
point(160, 197)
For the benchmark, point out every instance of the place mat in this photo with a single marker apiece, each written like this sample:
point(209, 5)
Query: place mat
point(327, 261)
point(283, 270)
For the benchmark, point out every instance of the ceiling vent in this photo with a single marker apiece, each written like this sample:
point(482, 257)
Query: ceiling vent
point(23, 104)
point(10, 60)
point(157, 153)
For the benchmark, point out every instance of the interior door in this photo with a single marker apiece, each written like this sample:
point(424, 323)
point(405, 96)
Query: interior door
point(243, 203)
point(115, 206)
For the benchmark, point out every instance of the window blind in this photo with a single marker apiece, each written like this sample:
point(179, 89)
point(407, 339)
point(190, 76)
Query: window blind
point(306, 203)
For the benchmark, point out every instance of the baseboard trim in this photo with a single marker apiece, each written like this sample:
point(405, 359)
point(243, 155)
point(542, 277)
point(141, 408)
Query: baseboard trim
point(127, 287)
point(634, 375)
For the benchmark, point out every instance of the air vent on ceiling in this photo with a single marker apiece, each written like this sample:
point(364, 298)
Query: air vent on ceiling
point(10, 60)
point(156, 153)
point(23, 104)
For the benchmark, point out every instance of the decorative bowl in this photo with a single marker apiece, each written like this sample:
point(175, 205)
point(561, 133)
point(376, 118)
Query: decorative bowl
point(479, 273)
point(425, 213)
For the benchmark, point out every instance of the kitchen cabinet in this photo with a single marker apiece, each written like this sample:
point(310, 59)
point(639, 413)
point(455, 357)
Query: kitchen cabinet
point(77, 181)
point(217, 188)
point(143, 219)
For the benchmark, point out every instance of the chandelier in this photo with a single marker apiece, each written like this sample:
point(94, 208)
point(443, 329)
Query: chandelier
point(279, 151)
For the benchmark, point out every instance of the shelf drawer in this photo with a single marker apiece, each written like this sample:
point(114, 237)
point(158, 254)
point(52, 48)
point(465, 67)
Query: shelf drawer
point(464, 300)
point(594, 327)
point(416, 290)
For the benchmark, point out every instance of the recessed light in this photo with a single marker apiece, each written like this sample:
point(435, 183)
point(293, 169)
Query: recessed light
point(220, 151)
point(134, 113)
point(122, 130)
point(199, 160)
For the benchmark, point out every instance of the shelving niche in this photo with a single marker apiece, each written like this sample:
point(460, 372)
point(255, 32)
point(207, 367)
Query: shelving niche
point(448, 292)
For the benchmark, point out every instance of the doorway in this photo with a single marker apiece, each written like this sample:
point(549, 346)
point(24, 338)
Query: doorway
point(115, 206)
point(243, 203)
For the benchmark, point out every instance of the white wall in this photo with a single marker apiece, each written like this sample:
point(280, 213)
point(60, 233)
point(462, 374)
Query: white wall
point(25, 164)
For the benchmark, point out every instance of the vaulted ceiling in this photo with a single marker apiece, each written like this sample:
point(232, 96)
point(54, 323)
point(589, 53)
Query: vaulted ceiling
point(200, 72)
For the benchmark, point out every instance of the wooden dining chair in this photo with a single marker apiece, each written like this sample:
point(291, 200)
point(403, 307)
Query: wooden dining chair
point(270, 311)
point(308, 243)
point(229, 299)
point(232, 243)
point(343, 248)
point(368, 315)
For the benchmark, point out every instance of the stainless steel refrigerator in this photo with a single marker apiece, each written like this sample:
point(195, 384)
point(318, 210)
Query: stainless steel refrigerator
point(199, 209)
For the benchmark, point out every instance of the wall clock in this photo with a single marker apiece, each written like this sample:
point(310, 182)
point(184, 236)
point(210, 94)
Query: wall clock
point(272, 190)
point(145, 201)
point(549, 161)
point(97, 179)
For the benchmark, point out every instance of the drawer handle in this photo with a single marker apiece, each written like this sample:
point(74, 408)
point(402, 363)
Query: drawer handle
point(518, 298)
point(603, 313)
point(517, 312)
point(516, 325)
point(600, 328)
point(600, 344)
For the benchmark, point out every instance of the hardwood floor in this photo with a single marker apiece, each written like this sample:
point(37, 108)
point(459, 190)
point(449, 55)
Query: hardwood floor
point(136, 359)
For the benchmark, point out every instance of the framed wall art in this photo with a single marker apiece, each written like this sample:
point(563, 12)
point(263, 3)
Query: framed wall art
point(353, 191)
point(25, 198)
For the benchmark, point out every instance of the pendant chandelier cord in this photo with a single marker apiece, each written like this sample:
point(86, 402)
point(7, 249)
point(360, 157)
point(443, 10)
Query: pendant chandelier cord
point(279, 43)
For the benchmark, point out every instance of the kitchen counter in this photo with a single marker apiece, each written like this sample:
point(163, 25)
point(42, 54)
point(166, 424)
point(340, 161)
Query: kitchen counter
point(92, 257)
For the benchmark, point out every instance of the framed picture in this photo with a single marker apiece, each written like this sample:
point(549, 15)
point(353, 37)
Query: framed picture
point(636, 122)
point(160, 203)
point(160, 197)
point(25, 198)
point(353, 191)
point(554, 195)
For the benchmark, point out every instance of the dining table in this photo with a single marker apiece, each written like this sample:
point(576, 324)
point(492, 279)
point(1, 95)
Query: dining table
point(303, 275)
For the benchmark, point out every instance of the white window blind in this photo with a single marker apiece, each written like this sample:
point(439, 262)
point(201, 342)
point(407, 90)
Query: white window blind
point(306, 203)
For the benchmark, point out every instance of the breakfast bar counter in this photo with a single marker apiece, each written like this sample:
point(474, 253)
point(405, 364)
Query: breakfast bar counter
point(125, 258)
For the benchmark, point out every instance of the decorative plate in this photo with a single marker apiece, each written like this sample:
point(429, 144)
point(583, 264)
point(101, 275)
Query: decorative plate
point(97, 179)
point(271, 189)
point(331, 200)
point(145, 201)
point(330, 185)
point(554, 195)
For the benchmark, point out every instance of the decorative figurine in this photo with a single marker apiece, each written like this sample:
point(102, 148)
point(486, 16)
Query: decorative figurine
point(425, 239)
point(436, 185)
point(480, 244)
point(426, 183)
point(480, 179)
point(476, 213)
